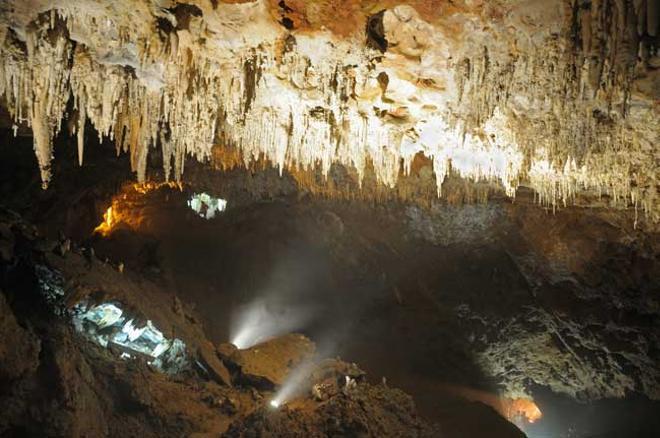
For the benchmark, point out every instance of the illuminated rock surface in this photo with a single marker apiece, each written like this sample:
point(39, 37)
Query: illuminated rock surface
point(108, 325)
point(206, 206)
point(560, 96)
point(344, 415)
point(273, 360)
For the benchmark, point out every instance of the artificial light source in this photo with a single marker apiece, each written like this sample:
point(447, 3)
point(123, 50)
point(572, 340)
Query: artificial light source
point(262, 320)
point(296, 383)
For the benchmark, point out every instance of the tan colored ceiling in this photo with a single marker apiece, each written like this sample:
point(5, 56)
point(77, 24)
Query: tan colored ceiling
point(558, 95)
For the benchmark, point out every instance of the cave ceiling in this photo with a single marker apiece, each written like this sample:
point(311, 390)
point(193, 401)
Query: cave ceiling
point(561, 96)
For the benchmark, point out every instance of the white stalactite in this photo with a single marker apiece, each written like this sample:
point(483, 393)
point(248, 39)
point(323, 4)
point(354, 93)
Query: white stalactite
point(543, 113)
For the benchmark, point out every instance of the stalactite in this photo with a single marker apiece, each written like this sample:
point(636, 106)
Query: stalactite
point(36, 84)
point(554, 115)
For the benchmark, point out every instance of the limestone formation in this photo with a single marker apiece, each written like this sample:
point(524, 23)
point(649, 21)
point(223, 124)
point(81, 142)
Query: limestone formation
point(558, 95)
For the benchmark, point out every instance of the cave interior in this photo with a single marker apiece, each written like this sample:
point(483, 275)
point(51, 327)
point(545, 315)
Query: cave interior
point(251, 218)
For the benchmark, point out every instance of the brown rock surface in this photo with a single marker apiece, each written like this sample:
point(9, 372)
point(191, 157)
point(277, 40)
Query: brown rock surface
point(19, 349)
point(59, 383)
point(270, 362)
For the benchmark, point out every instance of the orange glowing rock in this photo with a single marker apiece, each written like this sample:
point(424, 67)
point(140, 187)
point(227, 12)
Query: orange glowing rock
point(123, 210)
point(521, 408)
point(149, 186)
point(105, 228)
point(516, 410)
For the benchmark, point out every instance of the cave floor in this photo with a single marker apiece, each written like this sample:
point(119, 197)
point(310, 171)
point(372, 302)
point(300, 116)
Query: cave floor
point(365, 287)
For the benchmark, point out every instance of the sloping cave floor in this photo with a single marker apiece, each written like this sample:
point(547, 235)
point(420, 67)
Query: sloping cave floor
point(412, 295)
point(377, 292)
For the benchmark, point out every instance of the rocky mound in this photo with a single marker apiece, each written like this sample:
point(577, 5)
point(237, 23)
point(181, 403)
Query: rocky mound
point(363, 411)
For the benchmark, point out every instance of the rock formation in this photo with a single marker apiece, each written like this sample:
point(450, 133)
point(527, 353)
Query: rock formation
point(557, 95)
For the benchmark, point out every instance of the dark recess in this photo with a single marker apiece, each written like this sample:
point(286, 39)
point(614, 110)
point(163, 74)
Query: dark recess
point(376, 32)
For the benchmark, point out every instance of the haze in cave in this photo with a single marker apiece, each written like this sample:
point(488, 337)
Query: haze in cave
point(378, 218)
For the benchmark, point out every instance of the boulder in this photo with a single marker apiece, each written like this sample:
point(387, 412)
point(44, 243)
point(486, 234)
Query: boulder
point(269, 363)
point(213, 365)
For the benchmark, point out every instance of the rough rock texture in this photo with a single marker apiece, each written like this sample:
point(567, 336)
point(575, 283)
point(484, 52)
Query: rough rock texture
point(559, 95)
point(591, 329)
point(213, 365)
point(364, 411)
point(587, 360)
point(57, 383)
point(19, 352)
point(64, 385)
point(271, 362)
point(566, 301)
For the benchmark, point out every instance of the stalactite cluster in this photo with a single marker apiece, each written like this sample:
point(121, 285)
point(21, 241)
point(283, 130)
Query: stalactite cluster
point(563, 104)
